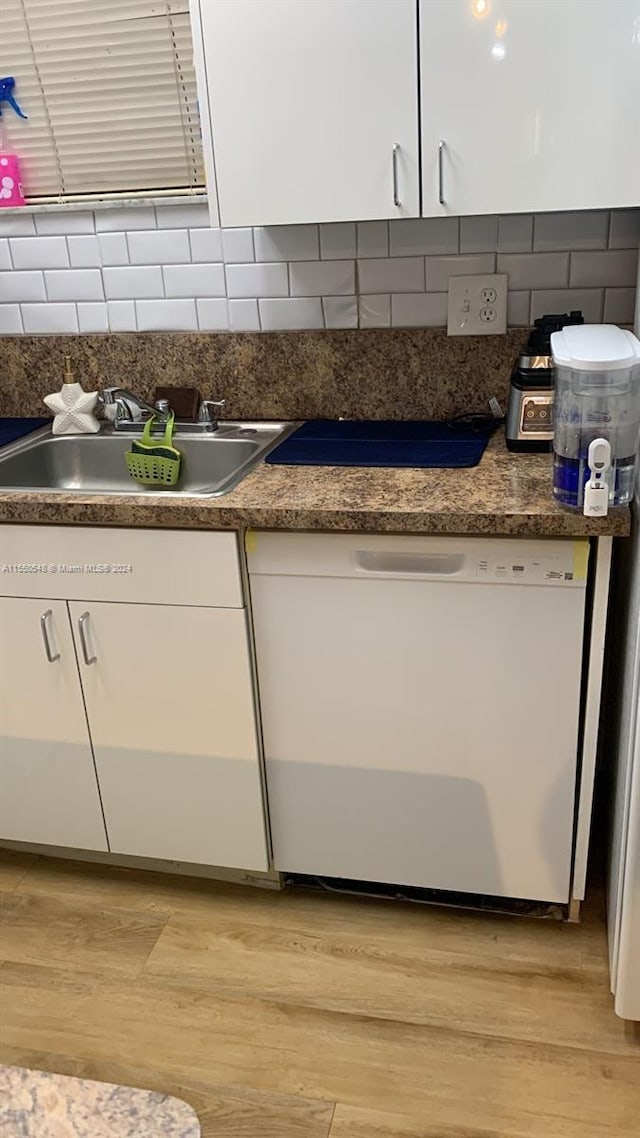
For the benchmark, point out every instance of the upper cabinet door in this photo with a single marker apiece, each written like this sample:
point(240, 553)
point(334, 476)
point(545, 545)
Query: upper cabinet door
point(529, 105)
point(313, 108)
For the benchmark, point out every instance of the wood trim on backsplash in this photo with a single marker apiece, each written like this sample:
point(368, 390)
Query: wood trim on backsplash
point(374, 374)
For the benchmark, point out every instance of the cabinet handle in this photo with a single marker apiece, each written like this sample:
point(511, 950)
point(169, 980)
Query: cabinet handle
point(394, 163)
point(83, 639)
point(51, 656)
point(441, 149)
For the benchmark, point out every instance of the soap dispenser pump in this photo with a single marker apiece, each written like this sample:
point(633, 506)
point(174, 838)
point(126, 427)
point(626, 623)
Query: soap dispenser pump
point(73, 406)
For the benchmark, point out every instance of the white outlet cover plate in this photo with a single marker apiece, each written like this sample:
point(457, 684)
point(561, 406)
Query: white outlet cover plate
point(466, 304)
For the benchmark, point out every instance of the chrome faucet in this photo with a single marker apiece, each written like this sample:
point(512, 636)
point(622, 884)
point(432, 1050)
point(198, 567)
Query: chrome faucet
point(209, 411)
point(129, 412)
point(130, 409)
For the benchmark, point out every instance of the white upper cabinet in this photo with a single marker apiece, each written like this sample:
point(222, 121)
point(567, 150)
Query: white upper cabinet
point(311, 107)
point(529, 105)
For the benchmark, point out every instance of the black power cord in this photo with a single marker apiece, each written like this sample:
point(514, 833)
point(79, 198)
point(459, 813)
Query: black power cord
point(479, 422)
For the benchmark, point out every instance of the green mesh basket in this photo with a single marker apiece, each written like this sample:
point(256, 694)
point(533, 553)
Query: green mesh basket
point(154, 463)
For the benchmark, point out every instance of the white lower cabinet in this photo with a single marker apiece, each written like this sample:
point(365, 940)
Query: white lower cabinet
point(169, 700)
point(48, 788)
point(143, 710)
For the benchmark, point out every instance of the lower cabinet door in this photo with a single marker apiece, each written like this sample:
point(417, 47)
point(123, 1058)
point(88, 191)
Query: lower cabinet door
point(169, 699)
point(48, 788)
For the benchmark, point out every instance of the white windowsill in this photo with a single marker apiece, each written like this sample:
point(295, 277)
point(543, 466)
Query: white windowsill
point(105, 203)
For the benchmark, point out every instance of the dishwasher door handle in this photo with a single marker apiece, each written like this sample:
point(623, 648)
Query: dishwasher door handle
point(390, 562)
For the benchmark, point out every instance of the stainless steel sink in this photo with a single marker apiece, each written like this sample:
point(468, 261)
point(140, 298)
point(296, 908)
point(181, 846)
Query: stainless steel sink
point(212, 462)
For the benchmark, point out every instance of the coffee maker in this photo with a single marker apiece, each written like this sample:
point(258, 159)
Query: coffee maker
point(529, 425)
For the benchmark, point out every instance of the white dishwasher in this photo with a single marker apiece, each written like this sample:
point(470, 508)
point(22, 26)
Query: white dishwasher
point(420, 704)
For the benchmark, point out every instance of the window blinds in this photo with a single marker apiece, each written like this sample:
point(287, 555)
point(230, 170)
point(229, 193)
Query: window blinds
point(110, 92)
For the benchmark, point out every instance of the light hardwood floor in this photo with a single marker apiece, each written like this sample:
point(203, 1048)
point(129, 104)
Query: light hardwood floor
point(308, 1016)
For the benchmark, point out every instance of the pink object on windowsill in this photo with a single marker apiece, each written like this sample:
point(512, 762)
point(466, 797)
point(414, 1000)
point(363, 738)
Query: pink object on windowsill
point(11, 193)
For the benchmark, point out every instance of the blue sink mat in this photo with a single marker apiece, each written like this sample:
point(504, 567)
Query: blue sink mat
point(12, 429)
point(322, 442)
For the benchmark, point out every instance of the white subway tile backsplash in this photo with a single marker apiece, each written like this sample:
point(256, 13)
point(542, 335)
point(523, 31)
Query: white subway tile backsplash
point(64, 222)
point(340, 311)
point(93, 317)
point(439, 269)
point(133, 281)
point(74, 284)
point(615, 268)
point(478, 234)
point(391, 274)
point(286, 243)
point(619, 305)
point(160, 247)
point(586, 229)
point(213, 315)
point(10, 320)
point(372, 238)
point(95, 251)
point(113, 248)
point(237, 246)
point(124, 218)
point(84, 252)
point(194, 280)
point(291, 314)
point(535, 270)
point(206, 245)
point(515, 233)
point(322, 278)
point(122, 315)
point(39, 252)
point(166, 315)
point(243, 315)
point(518, 307)
point(257, 280)
point(193, 215)
point(588, 301)
point(338, 241)
point(624, 232)
point(374, 311)
point(21, 286)
point(16, 225)
point(419, 310)
point(414, 236)
point(171, 255)
point(49, 318)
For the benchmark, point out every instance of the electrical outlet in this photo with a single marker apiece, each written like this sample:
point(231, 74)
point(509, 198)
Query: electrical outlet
point(477, 305)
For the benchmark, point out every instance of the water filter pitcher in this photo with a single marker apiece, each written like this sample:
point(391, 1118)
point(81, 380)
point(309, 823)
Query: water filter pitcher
point(597, 399)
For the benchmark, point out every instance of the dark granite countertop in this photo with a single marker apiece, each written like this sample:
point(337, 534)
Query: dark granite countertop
point(505, 494)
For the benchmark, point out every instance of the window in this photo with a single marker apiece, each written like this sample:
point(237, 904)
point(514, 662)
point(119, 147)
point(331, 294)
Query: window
point(110, 92)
